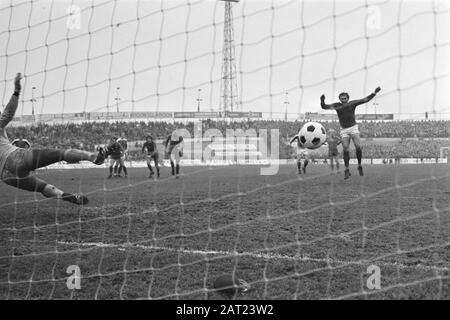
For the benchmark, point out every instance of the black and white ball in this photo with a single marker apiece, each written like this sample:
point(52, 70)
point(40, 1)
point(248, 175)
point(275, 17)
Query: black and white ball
point(312, 135)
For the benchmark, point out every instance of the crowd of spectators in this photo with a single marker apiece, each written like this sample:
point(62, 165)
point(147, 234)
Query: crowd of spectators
point(87, 135)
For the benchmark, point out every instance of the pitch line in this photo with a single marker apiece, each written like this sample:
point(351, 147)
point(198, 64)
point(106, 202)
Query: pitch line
point(266, 256)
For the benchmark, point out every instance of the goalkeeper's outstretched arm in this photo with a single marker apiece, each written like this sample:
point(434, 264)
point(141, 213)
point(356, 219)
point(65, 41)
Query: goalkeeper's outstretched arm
point(11, 107)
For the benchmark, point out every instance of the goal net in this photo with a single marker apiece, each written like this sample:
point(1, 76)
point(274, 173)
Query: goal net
point(150, 67)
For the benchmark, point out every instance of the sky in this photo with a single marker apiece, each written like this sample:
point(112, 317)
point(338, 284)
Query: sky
point(160, 53)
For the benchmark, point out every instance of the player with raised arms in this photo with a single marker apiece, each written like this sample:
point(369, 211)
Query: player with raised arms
point(174, 149)
point(349, 129)
point(17, 164)
point(151, 153)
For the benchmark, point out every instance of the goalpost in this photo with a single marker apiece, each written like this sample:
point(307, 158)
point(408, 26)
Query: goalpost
point(287, 236)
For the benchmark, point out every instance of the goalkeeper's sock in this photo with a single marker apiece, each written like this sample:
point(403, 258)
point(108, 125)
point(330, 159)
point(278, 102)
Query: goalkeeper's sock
point(359, 155)
point(347, 158)
point(51, 191)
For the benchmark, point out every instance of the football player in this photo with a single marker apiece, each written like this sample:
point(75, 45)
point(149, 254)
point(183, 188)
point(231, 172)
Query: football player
point(333, 140)
point(174, 149)
point(345, 110)
point(150, 150)
point(17, 164)
point(21, 143)
point(120, 165)
point(115, 152)
point(302, 155)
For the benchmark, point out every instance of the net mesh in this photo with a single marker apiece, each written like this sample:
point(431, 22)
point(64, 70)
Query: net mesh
point(287, 236)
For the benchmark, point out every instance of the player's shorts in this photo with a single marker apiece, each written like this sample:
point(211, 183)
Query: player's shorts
point(15, 165)
point(154, 156)
point(348, 132)
point(302, 155)
point(113, 161)
point(333, 153)
point(16, 174)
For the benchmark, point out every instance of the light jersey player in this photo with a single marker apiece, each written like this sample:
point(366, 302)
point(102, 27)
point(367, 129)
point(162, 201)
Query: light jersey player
point(120, 165)
point(302, 155)
point(349, 129)
point(174, 149)
point(151, 153)
point(17, 164)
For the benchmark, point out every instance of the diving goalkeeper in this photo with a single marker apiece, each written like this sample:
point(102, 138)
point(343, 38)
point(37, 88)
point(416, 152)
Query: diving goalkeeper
point(17, 164)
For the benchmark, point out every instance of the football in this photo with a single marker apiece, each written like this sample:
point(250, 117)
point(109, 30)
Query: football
point(312, 135)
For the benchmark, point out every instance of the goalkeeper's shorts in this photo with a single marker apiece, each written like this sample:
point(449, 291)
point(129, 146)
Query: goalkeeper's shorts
point(348, 132)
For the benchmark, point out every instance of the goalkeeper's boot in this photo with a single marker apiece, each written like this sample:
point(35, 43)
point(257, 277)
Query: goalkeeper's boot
point(347, 174)
point(360, 170)
point(76, 198)
point(101, 156)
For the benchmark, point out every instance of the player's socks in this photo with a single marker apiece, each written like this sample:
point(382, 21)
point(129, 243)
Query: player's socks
point(347, 174)
point(157, 172)
point(299, 167)
point(173, 167)
point(177, 169)
point(360, 170)
point(124, 171)
point(50, 191)
point(110, 172)
point(359, 155)
point(346, 158)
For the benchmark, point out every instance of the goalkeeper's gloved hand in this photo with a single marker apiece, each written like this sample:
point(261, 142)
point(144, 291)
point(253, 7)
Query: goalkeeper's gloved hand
point(378, 89)
point(17, 85)
point(322, 97)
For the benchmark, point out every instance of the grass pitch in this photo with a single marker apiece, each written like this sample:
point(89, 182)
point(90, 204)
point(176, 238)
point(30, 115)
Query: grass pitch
point(290, 236)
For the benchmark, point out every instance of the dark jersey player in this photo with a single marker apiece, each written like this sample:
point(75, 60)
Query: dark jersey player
point(115, 152)
point(17, 164)
point(349, 129)
point(333, 140)
point(151, 152)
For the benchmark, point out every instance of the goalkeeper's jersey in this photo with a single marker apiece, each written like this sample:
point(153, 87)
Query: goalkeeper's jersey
point(6, 148)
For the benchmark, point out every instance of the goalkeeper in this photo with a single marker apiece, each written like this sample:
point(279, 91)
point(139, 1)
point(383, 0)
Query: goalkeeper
point(17, 164)
point(349, 129)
